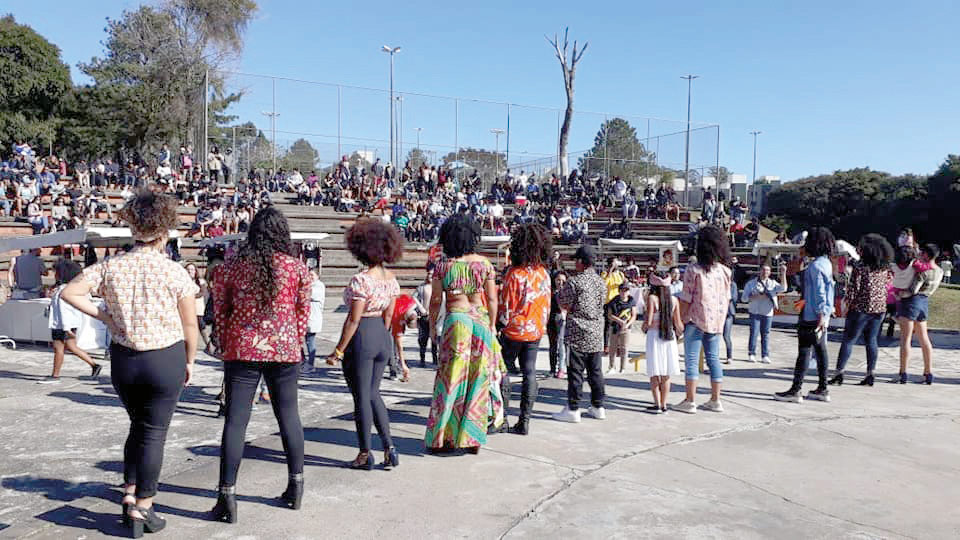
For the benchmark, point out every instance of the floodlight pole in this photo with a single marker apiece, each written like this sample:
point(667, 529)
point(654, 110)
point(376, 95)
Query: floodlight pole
point(755, 133)
point(686, 158)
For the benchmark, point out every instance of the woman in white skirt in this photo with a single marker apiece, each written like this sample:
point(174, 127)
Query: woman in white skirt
point(663, 327)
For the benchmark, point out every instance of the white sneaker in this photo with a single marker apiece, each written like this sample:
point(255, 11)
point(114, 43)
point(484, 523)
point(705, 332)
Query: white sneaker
point(712, 406)
point(728, 360)
point(566, 415)
point(49, 380)
point(612, 371)
point(753, 359)
point(597, 412)
point(766, 359)
point(685, 406)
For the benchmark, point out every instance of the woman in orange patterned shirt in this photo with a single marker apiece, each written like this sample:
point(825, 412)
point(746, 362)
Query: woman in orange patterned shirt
point(525, 307)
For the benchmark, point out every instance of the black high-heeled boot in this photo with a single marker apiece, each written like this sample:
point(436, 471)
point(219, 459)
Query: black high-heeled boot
point(391, 458)
point(522, 427)
point(837, 379)
point(293, 495)
point(226, 507)
point(867, 381)
point(149, 522)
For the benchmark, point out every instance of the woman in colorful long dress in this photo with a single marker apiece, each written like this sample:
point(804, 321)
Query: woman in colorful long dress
point(466, 396)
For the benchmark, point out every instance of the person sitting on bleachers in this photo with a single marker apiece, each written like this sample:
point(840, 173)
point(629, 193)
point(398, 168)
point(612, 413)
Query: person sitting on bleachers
point(612, 230)
point(25, 276)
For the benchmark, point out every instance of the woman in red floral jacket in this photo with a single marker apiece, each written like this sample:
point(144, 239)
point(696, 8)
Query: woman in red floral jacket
point(261, 303)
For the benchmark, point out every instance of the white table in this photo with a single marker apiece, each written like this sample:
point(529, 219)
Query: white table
point(26, 320)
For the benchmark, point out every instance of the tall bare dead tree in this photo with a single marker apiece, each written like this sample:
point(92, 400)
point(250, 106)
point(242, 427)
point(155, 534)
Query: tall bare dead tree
point(568, 63)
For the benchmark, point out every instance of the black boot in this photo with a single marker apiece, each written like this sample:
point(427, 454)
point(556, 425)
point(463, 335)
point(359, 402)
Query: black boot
point(521, 427)
point(293, 495)
point(226, 507)
point(837, 379)
point(149, 522)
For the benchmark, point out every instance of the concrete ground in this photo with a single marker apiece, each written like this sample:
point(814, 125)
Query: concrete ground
point(880, 462)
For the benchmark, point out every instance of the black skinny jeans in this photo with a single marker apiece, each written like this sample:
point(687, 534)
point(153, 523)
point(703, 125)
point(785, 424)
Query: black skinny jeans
point(423, 336)
point(363, 364)
point(526, 351)
point(240, 381)
point(592, 363)
point(806, 342)
point(149, 384)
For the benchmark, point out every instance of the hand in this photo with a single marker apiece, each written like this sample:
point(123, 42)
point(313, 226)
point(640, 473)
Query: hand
point(332, 359)
point(406, 373)
point(189, 376)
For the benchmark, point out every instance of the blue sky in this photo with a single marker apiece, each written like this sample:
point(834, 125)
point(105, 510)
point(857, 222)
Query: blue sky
point(832, 85)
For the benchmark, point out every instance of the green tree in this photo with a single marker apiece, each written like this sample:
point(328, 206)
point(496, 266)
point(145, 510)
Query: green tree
point(944, 192)
point(301, 155)
point(852, 203)
point(415, 158)
point(34, 81)
point(485, 162)
point(157, 59)
point(616, 148)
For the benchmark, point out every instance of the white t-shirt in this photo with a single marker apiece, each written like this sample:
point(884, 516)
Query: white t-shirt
point(63, 316)
point(318, 293)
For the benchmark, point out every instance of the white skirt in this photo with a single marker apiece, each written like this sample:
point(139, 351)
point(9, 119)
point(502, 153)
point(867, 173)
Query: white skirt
point(662, 355)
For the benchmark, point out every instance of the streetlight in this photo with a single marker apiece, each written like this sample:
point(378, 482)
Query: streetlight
point(497, 132)
point(755, 133)
point(273, 130)
point(392, 51)
point(418, 130)
point(686, 158)
point(400, 130)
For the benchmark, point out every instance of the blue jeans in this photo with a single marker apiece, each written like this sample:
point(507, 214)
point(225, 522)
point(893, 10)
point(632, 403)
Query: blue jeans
point(759, 324)
point(728, 335)
point(693, 339)
point(857, 324)
point(311, 345)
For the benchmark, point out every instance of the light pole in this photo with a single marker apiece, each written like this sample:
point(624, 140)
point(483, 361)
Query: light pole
point(686, 157)
point(392, 51)
point(273, 130)
point(418, 130)
point(496, 152)
point(400, 130)
point(755, 133)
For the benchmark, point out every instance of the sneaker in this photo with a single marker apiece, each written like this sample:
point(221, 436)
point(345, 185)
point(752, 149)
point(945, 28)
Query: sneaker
point(790, 396)
point(685, 406)
point(712, 406)
point(567, 415)
point(766, 360)
point(49, 380)
point(820, 394)
point(664, 410)
point(95, 371)
point(753, 359)
point(597, 412)
point(728, 360)
point(612, 371)
point(562, 374)
point(653, 409)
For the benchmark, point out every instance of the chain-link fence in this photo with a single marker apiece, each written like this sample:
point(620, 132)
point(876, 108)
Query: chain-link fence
point(277, 115)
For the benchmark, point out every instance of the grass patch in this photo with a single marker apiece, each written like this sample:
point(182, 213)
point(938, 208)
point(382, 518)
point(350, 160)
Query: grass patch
point(945, 308)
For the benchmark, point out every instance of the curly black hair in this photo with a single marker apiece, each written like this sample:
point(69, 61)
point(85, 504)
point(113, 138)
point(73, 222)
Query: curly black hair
point(530, 244)
point(820, 242)
point(374, 242)
point(459, 236)
point(712, 246)
point(875, 252)
point(268, 236)
point(150, 214)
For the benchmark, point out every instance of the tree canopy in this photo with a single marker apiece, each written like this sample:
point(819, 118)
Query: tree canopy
point(301, 155)
point(484, 161)
point(34, 82)
point(617, 148)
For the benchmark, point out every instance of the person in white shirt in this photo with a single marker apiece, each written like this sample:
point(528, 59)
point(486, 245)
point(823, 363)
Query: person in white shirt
point(318, 293)
point(761, 293)
point(64, 322)
point(294, 180)
point(676, 284)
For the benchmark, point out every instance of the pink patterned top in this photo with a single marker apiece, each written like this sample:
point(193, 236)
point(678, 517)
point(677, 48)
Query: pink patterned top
point(708, 293)
point(378, 293)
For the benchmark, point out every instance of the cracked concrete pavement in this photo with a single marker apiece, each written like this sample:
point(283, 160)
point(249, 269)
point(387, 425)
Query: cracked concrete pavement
point(881, 462)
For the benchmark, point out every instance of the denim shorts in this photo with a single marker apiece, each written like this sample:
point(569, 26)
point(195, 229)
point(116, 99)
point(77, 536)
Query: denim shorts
point(914, 308)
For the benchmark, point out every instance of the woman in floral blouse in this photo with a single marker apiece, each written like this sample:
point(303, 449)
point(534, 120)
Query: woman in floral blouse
point(261, 303)
point(525, 306)
point(149, 305)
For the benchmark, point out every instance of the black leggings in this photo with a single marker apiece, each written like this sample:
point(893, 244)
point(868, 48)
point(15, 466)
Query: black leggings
point(149, 384)
point(423, 336)
point(526, 351)
point(240, 383)
point(363, 364)
point(806, 342)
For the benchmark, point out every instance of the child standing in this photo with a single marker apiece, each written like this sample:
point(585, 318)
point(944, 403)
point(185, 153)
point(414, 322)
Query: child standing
point(663, 327)
point(64, 322)
point(621, 312)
